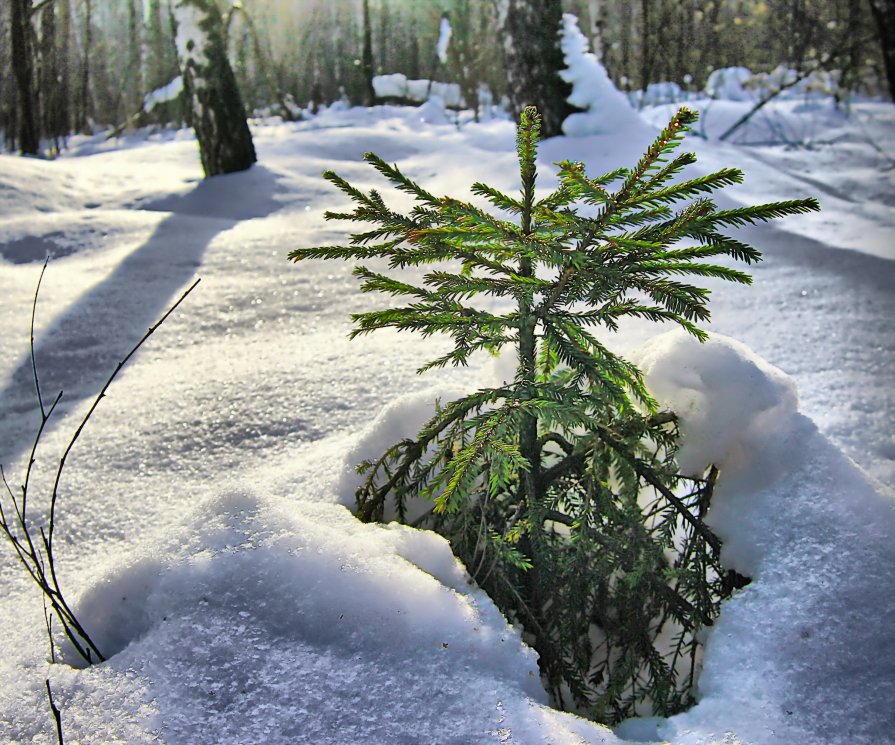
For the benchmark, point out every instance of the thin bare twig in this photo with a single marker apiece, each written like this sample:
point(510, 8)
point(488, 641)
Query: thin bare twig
point(36, 555)
point(99, 398)
point(57, 715)
point(40, 401)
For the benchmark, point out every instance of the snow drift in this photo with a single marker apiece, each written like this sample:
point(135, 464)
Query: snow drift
point(201, 527)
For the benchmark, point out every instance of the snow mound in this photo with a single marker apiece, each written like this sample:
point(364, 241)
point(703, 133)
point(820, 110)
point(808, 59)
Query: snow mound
point(399, 420)
point(728, 83)
point(293, 622)
point(788, 652)
point(731, 402)
point(607, 109)
point(398, 85)
point(432, 112)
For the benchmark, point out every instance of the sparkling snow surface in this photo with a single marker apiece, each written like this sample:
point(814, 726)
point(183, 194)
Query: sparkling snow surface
point(201, 529)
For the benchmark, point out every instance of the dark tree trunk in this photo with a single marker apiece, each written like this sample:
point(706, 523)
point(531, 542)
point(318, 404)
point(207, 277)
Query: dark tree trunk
point(135, 57)
point(627, 23)
point(23, 72)
point(64, 40)
point(385, 46)
point(413, 63)
point(884, 15)
point(153, 52)
point(84, 111)
point(217, 113)
point(367, 58)
point(646, 44)
point(51, 93)
point(533, 60)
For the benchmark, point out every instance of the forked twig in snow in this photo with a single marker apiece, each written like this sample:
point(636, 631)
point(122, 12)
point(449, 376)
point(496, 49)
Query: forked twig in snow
point(36, 554)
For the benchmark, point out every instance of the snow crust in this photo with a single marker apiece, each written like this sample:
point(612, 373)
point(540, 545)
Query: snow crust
point(203, 530)
point(294, 620)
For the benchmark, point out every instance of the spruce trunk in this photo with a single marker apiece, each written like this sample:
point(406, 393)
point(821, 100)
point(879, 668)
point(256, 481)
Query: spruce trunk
point(214, 103)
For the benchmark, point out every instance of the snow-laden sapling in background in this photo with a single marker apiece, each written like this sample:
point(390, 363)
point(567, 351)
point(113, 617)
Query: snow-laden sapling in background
point(559, 489)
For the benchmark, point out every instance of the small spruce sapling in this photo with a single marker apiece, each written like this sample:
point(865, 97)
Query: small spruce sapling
point(559, 489)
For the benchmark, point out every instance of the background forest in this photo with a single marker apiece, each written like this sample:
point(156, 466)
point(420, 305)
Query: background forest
point(94, 63)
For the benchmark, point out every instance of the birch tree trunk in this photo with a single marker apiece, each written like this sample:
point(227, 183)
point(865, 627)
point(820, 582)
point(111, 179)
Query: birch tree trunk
point(533, 60)
point(216, 111)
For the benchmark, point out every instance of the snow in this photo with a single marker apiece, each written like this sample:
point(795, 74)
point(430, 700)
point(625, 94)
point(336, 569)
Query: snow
point(606, 109)
point(203, 532)
point(444, 39)
point(397, 85)
point(741, 84)
point(399, 420)
point(728, 84)
point(730, 400)
point(191, 39)
point(166, 93)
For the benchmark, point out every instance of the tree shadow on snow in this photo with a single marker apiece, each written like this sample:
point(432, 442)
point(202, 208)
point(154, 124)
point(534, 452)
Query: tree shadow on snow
point(81, 348)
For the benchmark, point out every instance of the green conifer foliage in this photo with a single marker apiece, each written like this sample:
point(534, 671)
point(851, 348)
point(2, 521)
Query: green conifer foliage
point(559, 490)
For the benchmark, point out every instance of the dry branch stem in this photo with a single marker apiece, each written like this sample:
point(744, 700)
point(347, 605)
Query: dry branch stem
point(37, 555)
point(57, 715)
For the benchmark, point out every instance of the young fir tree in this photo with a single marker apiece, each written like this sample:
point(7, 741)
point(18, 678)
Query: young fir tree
point(559, 489)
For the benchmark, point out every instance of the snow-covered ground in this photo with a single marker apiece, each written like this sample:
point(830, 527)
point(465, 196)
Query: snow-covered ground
point(200, 524)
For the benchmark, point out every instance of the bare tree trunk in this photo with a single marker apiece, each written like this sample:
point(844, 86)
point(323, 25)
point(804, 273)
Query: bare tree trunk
point(533, 60)
point(367, 58)
point(884, 15)
point(50, 93)
point(463, 54)
point(385, 48)
point(83, 123)
point(627, 23)
point(217, 113)
point(64, 46)
point(597, 12)
point(153, 46)
point(646, 44)
point(137, 87)
point(23, 72)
